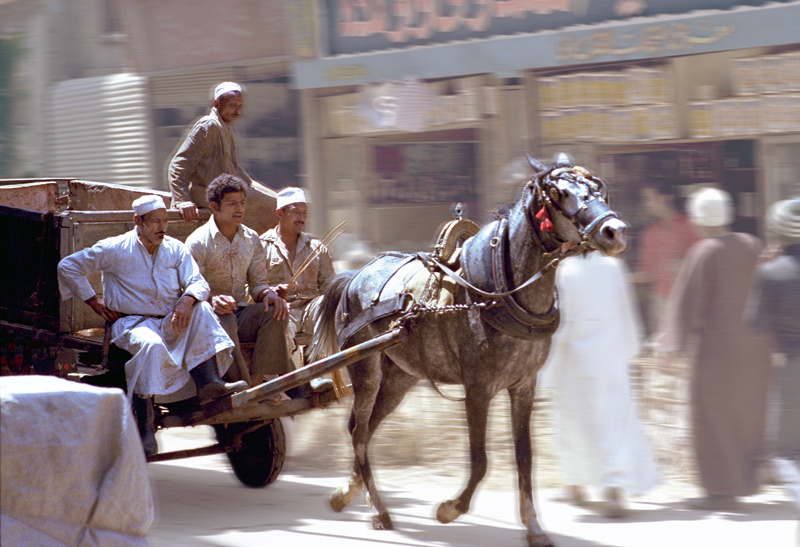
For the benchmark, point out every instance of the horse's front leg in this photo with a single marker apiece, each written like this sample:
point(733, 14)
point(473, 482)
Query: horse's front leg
point(394, 385)
point(521, 410)
point(366, 377)
point(477, 402)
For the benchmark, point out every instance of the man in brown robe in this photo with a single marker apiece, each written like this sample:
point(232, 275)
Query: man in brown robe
point(208, 151)
point(730, 365)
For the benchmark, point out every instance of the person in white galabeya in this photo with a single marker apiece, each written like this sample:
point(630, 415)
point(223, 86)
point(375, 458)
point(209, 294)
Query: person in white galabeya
point(601, 441)
point(156, 297)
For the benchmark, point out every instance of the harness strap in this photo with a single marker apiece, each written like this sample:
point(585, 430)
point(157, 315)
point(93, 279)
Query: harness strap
point(429, 261)
point(379, 310)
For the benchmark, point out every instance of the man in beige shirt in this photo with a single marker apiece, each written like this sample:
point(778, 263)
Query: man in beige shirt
point(232, 260)
point(287, 247)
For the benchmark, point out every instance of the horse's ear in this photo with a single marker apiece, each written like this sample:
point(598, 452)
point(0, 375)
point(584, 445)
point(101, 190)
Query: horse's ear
point(536, 164)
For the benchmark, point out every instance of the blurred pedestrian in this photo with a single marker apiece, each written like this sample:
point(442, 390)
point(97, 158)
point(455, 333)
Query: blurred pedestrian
point(663, 246)
point(729, 364)
point(775, 309)
point(208, 151)
point(600, 440)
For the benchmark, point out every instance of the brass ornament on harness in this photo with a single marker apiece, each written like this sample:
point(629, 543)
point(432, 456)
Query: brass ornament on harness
point(452, 237)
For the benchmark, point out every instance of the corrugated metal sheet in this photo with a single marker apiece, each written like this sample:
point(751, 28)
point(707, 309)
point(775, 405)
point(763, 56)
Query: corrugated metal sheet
point(187, 88)
point(99, 129)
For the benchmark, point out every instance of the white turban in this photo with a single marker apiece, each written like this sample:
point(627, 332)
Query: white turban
point(290, 195)
point(226, 87)
point(784, 220)
point(710, 207)
point(145, 204)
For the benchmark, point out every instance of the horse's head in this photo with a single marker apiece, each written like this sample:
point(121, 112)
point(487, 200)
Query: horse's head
point(566, 203)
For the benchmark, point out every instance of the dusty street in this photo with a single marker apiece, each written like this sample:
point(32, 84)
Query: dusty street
point(200, 502)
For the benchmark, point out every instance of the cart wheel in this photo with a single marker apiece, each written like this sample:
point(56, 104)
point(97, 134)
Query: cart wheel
point(258, 459)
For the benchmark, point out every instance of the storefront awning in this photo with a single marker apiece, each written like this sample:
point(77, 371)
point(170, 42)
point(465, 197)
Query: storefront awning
point(633, 39)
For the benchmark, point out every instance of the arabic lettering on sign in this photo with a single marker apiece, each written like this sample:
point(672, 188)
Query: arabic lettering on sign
point(403, 20)
point(353, 71)
point(652, 39)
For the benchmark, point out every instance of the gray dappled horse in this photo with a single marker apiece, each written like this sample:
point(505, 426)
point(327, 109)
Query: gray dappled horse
point(496, 335)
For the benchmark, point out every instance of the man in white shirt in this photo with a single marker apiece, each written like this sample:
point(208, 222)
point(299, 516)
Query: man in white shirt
point(231, 258)
point(156, 297)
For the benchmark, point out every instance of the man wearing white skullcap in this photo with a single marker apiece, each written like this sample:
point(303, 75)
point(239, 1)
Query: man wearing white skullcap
point(730, 365)
point(287, 247)
point(775, 309)
point(156, 297)
point(209, 150)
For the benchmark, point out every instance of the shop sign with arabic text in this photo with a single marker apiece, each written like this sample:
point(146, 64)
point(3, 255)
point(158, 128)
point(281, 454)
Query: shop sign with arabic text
point(656, 40)
point(357, 26)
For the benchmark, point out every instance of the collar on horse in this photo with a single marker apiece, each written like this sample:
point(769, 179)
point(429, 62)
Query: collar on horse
point(486, 263)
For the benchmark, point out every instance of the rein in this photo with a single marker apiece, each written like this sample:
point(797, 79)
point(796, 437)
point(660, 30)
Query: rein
point(432, 263)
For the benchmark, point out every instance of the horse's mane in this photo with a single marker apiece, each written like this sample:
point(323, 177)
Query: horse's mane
point(502, 211)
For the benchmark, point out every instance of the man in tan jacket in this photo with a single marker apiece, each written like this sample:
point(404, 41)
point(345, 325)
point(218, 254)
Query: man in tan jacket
point(208, 151)
point(287, 246)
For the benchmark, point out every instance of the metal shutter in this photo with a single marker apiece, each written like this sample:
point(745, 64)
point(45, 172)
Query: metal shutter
point(99, 129)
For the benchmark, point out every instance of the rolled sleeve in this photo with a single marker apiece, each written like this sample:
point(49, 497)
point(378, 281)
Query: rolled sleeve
point(72, 272)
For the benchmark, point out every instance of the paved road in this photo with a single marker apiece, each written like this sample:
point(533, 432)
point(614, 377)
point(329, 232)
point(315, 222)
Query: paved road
point(200, 503)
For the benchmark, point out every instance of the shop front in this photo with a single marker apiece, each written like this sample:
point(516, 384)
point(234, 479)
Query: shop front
point(694, 98)
point(398, 157)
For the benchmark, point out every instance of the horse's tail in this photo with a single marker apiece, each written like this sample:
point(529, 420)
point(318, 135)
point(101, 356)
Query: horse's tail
point(324, 342)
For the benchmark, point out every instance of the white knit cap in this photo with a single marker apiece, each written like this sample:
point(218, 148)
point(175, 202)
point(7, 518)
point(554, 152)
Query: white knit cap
point(290, 195)
point(710, 207)
point(145, 204)
point(784, 220)
point(226, 87)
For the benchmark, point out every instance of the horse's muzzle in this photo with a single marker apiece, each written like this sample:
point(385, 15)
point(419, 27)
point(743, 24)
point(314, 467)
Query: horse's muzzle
point(611, 237)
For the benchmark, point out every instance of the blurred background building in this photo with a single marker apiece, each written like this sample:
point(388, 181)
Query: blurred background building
point(391, 112)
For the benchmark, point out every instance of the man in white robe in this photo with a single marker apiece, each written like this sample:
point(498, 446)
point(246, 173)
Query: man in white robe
point(600, 439)
point(156, 297)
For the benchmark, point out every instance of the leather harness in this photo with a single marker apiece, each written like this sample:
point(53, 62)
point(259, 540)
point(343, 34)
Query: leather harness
point(485, 262)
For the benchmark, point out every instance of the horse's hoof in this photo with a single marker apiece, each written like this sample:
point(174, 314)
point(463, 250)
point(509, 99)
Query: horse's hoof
point(338, 500)
point(539, 540)
point(447, 512)
point(382, 522)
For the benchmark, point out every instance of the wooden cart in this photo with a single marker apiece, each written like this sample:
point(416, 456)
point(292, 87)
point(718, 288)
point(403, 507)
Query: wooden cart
point(42, 221)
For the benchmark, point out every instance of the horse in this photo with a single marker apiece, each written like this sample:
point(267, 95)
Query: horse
point(494, 335)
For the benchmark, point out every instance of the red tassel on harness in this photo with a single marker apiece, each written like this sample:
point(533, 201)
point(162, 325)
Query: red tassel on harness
point(544, 216)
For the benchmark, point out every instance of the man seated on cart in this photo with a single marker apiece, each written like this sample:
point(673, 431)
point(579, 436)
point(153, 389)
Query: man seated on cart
point(232, 260)
point(157, 299)
point(287, 247)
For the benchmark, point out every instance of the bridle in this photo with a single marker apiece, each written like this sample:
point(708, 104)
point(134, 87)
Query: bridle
point(547, 196)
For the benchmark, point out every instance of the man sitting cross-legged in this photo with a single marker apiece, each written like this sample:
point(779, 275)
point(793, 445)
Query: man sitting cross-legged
point(231, 258)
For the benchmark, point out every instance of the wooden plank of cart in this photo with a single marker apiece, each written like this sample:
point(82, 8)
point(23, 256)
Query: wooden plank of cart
point(44, 220)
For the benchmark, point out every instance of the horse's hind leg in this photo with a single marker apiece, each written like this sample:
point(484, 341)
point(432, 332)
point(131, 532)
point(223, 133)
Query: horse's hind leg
point(477, 402)
point(521, 410)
